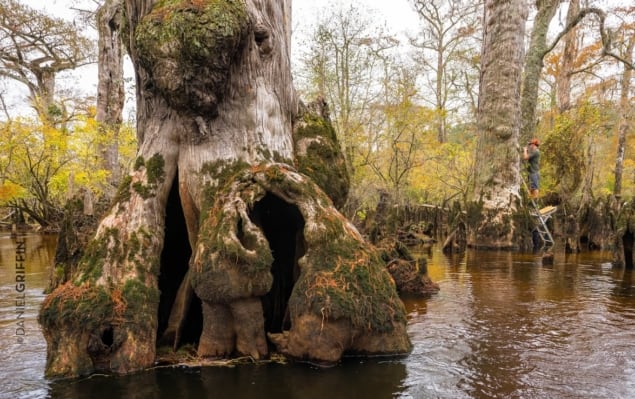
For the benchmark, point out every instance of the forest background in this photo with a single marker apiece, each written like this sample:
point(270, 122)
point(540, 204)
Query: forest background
point(403, 103)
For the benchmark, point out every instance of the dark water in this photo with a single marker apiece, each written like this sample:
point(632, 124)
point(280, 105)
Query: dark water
point(502, 326)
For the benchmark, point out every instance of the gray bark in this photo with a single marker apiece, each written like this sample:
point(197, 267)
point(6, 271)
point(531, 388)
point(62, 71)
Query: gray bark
point(215, 115)
point(563, 80)
point(110, 87)
point(626, 109)
point(533, 66)
point(497, 185)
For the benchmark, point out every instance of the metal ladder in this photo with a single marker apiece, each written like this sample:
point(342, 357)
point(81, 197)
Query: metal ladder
point(542, 216)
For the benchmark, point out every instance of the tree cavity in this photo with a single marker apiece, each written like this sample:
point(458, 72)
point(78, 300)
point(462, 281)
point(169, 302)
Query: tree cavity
point(175, 259)
point(282, 224)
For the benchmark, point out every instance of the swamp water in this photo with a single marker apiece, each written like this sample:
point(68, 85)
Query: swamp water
point(503, 325)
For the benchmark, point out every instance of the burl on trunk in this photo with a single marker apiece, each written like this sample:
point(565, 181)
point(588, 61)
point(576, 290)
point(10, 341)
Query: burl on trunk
point(215, 212)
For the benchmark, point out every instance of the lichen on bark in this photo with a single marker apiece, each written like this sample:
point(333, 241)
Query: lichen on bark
point(340, 279)
point(104, 317)
point(188, 46)
point(318, 153)
point(215, 114)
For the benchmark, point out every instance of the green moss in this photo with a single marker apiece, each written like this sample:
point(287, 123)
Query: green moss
point(97, 250)
point(200, 38)
point(155, 175)
point(133, 246)
point(218, 173)
point(228, 268)
point(275, 175)
point(139, 163)
point(89, 307)
point(316, 126)
point(155, 169)
point(141, 302)
point(144, 191)
point(323, 160)
point(60, 272)
point(123, 192)
point(81, 306)
point(342, 277)
point(108, 246)
point(346, 279)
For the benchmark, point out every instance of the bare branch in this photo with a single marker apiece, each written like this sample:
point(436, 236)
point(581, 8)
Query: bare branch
point(605, 34)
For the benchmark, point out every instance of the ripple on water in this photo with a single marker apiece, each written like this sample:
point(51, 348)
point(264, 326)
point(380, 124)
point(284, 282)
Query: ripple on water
point(502, 326)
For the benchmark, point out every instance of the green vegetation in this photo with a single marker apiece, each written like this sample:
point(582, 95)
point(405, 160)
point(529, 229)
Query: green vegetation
point(202, 36)
point(421, 152)
point(43, 165)
point(155, 175)
point(322, 160)
point(82, 307)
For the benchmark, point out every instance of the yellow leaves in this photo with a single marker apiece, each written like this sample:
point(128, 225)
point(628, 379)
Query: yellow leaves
point(127, 145)
point(55, 140)
point(446, 173)
point(574, 138)
point(47, 163)
point(10, 191)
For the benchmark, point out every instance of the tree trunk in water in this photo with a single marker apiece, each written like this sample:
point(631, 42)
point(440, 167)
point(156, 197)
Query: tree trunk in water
point(497, 181)
point(213, 198)
point(110, 88)
point(533, 66)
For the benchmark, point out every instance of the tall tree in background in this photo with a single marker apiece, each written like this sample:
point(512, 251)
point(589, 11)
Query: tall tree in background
point(110, 87)
point(627, 33)
point(497, 181)
point(569, 55)
point(34, 48)
point(446, 30)
point(546, 10)
point(538, 50)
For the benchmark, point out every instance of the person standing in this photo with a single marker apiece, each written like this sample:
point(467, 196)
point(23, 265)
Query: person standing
point(532, 155)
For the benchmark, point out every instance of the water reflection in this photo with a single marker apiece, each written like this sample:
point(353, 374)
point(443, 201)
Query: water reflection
point(21, 341)
point(512, 327)
point(624, 283)
point(503, 325)
point(352, 379)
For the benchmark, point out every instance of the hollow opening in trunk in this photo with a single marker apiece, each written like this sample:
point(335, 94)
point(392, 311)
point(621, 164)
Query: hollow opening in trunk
point(627, 241)
point(175, 259)
point(283, 225)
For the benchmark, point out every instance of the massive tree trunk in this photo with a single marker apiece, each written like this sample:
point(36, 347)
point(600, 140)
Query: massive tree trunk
point(497, 182)
point(214, 205)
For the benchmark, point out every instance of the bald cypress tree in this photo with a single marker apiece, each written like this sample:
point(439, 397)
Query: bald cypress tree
point(214, 233)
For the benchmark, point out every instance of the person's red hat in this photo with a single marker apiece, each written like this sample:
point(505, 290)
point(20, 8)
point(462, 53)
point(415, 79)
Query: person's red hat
point(535, 142)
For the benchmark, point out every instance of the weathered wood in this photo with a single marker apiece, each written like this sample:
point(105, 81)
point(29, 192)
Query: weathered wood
point(271, 257)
